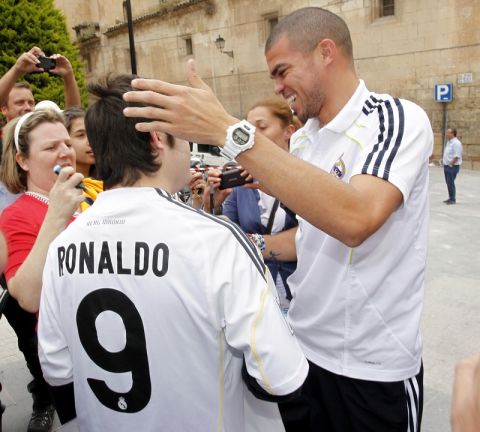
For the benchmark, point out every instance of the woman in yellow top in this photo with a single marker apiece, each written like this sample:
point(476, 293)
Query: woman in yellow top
point(75, 124)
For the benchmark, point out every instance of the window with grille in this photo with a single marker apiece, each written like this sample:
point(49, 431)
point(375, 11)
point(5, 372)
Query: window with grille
point(387, 8)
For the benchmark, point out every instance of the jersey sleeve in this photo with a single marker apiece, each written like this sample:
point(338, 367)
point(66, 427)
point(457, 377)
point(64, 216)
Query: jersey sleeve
point(53, 351)
point(400, 146)
point(255, 325)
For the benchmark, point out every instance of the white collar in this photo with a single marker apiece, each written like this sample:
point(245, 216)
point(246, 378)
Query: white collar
point(38, 196)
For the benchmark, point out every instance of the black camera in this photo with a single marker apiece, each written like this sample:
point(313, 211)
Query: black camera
point(46, 63)
point(233, 178)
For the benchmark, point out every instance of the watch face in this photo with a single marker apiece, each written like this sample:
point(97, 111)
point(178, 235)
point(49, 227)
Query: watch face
point(240, 137)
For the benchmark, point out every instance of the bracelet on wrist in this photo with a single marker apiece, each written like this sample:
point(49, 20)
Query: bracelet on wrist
point(258, 240)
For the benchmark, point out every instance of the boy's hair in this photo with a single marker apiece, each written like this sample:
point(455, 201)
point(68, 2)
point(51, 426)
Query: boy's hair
point(11, 174)
point(122, 153)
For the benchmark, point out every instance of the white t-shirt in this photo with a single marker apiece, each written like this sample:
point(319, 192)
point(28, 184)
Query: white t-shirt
point(356, 311)
point(265, 204)
point(150, 306)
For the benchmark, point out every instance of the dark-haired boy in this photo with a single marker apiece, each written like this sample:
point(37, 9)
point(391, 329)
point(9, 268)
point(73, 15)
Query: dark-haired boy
point(137, 317)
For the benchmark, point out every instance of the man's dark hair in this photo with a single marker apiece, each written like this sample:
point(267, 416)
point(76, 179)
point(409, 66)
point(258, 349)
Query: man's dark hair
point(454, 131)
point(306, 27)
point(122, 153)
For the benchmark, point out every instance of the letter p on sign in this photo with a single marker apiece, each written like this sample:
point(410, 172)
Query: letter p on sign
point(443, 92)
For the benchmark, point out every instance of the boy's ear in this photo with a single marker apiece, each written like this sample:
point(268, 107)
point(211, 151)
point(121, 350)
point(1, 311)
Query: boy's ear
point(158, 140)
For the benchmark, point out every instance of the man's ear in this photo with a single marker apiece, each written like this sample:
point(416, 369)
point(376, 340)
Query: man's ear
point(22, 161)
point(327, 50)
point(4, 110)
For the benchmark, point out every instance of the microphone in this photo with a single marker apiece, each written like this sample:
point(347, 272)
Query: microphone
point(58, 168)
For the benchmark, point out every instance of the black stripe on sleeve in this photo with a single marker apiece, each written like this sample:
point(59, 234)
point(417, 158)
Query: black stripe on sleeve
point(387, 141)
point(394, 134)
point(232, 227)
point(380, 139)
point(369, 107)
point(401, 130)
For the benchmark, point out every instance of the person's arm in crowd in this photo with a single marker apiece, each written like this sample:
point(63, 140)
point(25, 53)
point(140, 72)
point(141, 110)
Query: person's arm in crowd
point(54, 355)
point(465, 416)
point(220, 195)
point(3, 252)
point(348, 212)
point(458, 152)
point(197, 186)
point(281, 246)
point(454, 161)
point(26, 63)
point(26, 284)
point(71, 91)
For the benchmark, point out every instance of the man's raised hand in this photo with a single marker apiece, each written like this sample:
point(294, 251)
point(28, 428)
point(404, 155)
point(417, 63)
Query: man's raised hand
point(191, 113)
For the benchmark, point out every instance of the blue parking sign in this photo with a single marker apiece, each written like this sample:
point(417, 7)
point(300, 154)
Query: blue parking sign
point(443, 92)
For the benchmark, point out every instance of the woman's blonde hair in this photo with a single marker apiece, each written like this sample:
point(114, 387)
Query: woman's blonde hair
point(11, 174)
point(278, 107)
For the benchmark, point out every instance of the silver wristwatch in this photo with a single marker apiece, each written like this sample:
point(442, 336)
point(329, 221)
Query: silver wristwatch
point(240, 137)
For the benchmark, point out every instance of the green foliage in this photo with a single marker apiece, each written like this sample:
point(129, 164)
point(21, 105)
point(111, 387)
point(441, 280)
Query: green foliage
point(29, 23)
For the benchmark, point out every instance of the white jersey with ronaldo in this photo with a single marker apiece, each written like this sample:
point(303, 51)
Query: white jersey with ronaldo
point(150, 307)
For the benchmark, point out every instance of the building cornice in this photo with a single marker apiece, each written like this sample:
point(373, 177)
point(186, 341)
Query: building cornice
point(162, 11)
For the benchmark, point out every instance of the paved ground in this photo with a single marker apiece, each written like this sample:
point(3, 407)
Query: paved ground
point(451, 320)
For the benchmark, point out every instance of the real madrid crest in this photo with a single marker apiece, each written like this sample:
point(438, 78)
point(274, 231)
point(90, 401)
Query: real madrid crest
point(338, 168)
point(122, 403)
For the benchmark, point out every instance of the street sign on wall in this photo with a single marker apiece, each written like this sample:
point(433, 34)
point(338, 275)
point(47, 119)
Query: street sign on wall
point(443, 92)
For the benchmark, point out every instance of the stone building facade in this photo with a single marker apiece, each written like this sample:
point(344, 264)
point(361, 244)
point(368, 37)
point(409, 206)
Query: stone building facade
point(402, 47)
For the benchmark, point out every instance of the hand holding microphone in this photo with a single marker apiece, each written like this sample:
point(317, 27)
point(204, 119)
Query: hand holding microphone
point(66, 194)
point(58, 168)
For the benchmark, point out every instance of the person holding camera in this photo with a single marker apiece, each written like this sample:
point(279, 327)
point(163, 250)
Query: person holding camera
point(359, 187)
point(16, 98)
point(260, 215)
